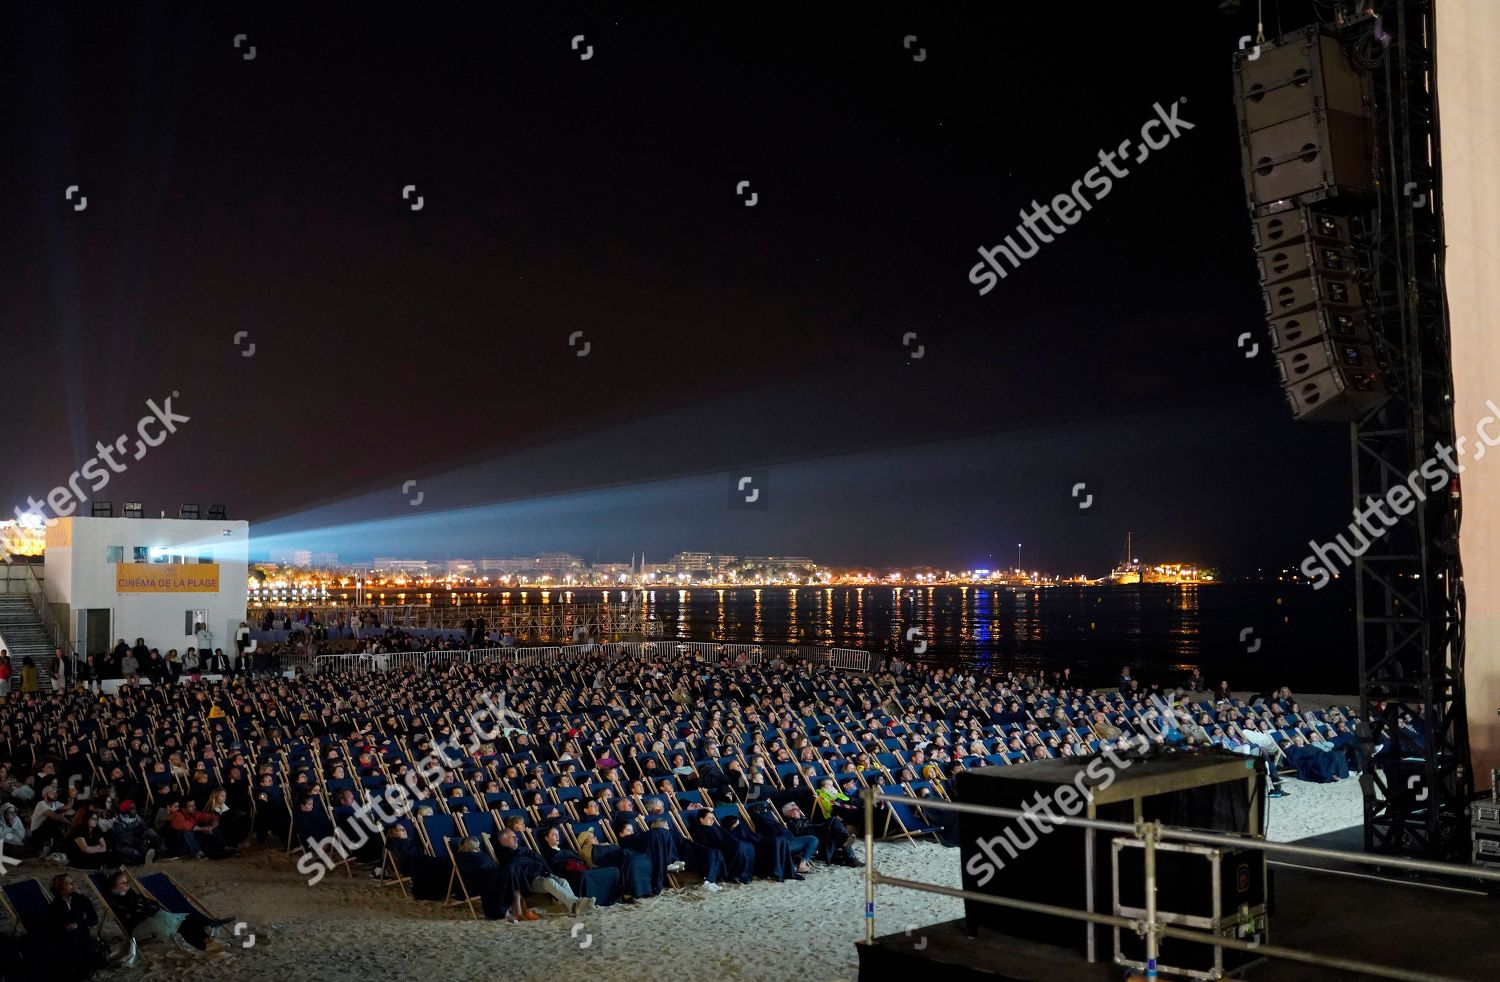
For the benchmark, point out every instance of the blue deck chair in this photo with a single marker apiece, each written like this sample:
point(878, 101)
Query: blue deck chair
point(499, 800)
point(567, 794)
point(170, 894)
point(468, 802)
point(600, 828)
point(506, 814)
point(28, 900)
point(436, 828)
point(479, 823)
point(450, 849)
point(783, 771)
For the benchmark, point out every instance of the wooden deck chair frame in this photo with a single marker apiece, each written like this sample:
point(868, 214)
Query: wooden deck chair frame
point(469, 898)
point(393, 875)
point(187, 894)
point(106, 912)
point(19, 929)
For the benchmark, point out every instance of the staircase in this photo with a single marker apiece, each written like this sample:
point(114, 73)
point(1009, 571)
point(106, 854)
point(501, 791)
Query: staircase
point(23, 633)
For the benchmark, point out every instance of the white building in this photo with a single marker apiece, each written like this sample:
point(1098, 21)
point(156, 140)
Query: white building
point(391, 564)
point(151, 578)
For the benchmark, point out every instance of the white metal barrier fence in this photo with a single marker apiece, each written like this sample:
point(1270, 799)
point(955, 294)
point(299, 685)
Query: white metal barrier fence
point(703, 652)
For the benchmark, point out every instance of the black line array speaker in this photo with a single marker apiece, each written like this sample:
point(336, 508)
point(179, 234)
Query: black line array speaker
point(1307, 126)
point(1320, 335)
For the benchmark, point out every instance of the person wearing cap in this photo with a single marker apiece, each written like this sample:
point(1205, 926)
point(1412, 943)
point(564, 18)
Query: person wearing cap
point(133, 839)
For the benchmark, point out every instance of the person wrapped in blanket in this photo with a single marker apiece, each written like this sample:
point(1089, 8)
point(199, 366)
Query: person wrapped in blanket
point(143, 918)
point(429, 875)
point(773, 853)
point(522, 871)
point(1319, 763)
point(602, 883)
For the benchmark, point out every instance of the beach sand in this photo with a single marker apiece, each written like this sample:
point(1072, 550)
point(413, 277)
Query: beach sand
point(354, 928)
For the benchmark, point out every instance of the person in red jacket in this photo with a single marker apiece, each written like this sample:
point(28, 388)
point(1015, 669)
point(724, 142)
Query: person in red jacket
point(197, 832)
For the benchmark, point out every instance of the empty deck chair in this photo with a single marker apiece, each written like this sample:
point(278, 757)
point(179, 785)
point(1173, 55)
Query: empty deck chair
point(903, 819)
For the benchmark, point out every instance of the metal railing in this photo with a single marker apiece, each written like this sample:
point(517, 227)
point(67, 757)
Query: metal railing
point(703, 652)
point(1152, 927)
point(54, 627)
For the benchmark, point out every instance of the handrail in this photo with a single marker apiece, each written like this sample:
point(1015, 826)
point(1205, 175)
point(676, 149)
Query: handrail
point(49, 619)
point(1151, 927)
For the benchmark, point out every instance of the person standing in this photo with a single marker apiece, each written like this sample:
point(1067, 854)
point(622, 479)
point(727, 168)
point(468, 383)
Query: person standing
point(4, 673)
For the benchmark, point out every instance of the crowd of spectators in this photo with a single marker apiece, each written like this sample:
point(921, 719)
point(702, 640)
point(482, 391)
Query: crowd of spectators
point(618, 776)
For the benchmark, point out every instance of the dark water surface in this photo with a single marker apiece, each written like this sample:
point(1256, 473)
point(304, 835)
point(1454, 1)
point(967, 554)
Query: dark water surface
point(1292, 635)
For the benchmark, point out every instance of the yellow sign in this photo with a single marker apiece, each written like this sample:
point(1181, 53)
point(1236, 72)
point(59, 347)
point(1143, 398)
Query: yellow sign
point(59, 533)
point(166, 577)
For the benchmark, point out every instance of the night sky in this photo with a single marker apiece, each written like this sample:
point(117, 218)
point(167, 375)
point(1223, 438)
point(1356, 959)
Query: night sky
point(561, 195)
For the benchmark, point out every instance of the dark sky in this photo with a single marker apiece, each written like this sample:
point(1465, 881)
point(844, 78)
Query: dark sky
point(564, 195)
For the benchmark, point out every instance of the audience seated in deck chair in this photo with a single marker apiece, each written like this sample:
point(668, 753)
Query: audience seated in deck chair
point(833, 835)
point(802, 848)
point(478, 877)
point(602, 884)
point(523, 871)
point(739, 857)
point(143, 918)
point(1312, 764)
point(664, 850)
point(429, 875)
point(773, 853)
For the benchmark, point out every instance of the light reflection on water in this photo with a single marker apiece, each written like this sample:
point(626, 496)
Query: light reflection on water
point(1093, 629)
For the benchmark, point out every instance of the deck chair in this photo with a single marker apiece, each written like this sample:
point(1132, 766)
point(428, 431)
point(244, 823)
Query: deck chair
point(479, 823)
point(451, 845)
point(906, 819)
point(12, 921)
point(27, 901)
point(173, 896)
point(437, 827)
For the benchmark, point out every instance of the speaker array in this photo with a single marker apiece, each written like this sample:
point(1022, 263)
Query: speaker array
point(1307, 137)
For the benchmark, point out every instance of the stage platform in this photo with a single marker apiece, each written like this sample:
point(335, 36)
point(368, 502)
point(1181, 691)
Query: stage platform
point(1452, 930)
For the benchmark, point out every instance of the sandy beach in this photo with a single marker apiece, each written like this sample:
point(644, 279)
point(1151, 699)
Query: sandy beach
point(351, 928)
